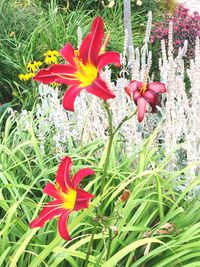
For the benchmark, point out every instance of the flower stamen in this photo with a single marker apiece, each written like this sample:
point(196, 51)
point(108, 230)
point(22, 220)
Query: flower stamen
point(143, 88)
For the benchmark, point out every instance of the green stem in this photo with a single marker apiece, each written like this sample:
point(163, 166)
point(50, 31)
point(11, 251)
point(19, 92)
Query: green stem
point(111, 135)
point(90, 245)
point(109, 244)
point(126, 118)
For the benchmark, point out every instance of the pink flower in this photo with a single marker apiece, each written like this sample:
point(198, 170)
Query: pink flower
point(143, 93)
point(178, 42)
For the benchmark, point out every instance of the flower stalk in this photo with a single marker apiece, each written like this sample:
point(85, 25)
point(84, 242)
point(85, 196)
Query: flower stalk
point(111, 135)
point(90, 245)
point(109, 243)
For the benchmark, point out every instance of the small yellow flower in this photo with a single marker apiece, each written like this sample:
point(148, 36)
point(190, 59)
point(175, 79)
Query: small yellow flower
point(33, 66)
point(50, 60)
point(52, 53)
point(26, 76)
point(51, 57)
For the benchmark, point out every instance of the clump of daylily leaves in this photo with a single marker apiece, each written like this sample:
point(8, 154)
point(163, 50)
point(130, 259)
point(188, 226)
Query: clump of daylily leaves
point(82, 71)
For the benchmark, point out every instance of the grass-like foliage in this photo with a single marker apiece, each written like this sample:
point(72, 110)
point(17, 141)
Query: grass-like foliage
point(158, 225)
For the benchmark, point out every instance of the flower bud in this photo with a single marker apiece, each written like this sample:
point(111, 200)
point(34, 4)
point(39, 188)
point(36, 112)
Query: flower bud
point(114, 229)
point(125, 195)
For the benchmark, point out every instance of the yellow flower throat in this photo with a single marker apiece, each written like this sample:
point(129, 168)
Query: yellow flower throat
point(86, 73)
point(69, 198)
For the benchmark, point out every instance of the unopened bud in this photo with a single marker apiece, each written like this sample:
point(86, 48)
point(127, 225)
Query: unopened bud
point(125, 195)
point(103, 48)
point(114, 230)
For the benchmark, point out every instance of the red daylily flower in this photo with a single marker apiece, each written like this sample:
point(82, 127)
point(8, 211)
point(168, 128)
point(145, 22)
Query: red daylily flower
point(83, 67)
point(143, 93)
point(67, 196)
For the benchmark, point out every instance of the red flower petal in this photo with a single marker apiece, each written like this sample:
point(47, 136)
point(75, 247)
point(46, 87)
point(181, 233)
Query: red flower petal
point(136, 95)
point(45, 76)
point(58, 72)
point(62, 228)
point(100, 89)
point(132, 87)
point(141, 103)
point(83, 195)
point(82, 199)
point(51, 210)
point(63, 174)
point(51, 191)
point(70, 96)
point(151, 97)
point(67, 53)
point(91, 45)
point(67, 81)
point(81, 175)
point(157, 87)
point(63, 70)
point(108, 58)
point(64, 74)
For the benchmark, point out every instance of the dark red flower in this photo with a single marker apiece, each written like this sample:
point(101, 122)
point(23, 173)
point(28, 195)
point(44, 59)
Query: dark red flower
point(83, 67)
point(143, 93)
point(67, 196)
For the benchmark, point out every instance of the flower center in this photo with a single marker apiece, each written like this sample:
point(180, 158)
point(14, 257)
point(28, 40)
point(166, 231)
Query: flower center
point(143, 88)
point(69, 198)
point(86, 73)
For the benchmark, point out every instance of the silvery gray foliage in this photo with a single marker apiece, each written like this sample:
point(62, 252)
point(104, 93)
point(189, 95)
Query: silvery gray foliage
point(52, 119)
point(127, 23)
point(91, 118)
point(182, 120)
point(80, 36)
point(175, 108)
point(193, 114)
point(176, 103)
point(141, 59)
